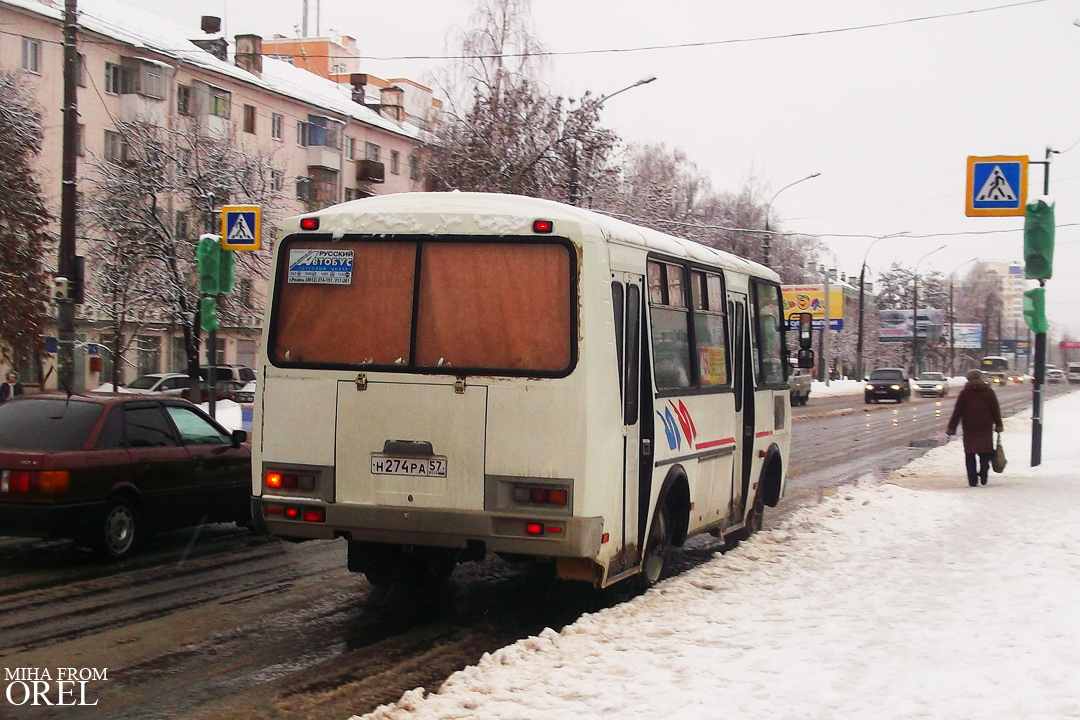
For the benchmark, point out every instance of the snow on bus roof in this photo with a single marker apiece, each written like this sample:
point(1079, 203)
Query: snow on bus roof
point(509, 214)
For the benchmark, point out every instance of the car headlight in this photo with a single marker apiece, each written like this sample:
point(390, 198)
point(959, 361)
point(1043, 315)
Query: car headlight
point(939, 387)
point(869, 387)
point(895, 387)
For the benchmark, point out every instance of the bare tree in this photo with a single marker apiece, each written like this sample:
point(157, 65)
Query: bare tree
point(153, 197)
point(24, 218)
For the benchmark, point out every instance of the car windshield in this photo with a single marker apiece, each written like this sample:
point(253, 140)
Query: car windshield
point(144, 383)
point(46, 424)
point(932, 376)
point(887, 375)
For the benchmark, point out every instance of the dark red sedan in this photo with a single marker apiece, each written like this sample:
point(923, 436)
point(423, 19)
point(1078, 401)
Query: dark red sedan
point(107, 469)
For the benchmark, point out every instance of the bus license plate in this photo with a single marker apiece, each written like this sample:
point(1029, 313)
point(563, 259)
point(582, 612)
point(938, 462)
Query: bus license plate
point(415, 467)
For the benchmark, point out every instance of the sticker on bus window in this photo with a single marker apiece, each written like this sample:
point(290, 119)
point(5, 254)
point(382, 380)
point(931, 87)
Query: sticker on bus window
point(321, 267)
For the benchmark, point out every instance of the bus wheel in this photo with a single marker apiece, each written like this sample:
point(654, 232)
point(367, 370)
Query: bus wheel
point(756, 519)
point(657, 549)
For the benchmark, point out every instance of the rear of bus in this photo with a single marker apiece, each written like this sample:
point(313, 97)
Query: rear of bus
point(423, 394)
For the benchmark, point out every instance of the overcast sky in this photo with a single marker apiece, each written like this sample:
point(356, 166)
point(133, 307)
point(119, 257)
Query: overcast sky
point(887, 115)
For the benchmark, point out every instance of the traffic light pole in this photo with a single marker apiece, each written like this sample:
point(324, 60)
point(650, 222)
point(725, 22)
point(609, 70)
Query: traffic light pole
point(1040, 354)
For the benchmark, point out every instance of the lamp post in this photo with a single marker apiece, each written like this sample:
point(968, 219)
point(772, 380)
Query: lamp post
point(862, 293)
point(572, 185)
point(768, 208)
point(952, 318)
point(915, 312)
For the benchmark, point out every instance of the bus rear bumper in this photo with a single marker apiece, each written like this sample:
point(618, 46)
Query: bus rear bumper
point(500, 532)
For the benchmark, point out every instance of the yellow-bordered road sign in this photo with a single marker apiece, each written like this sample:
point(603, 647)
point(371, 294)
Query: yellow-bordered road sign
point(241, 227)
point(997, 186)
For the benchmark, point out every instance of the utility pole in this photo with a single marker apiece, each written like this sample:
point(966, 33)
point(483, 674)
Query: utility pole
point(66, 261)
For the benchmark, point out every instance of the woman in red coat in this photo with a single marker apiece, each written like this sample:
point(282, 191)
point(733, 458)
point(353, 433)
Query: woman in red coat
point(977, 410)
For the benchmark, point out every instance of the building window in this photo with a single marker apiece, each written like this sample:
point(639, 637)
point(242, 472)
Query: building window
point(302, 133)
point(31, 55)
point(114, 78)
point(181, 224)
point(350, 194)
point(183, 100)
point(276, 122)
point(81, 70)
point(219, 103)
point(350, 148)
point(80, 141)
point(153, 81)
point(115, 147)
point(414, 167)
point(249, 118)
point(277, 180)
point(243, 292)
point(371, 152)
point(305, 189)
point(395, 162)
point(183, 158)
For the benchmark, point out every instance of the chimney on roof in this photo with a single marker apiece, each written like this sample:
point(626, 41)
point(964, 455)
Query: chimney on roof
point(358, 81)
point(211, 25)
point(216, 46)
point(249, 53)
point(392, 100)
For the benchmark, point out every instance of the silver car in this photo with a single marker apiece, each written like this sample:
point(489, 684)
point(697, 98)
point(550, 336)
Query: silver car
point(932, 383)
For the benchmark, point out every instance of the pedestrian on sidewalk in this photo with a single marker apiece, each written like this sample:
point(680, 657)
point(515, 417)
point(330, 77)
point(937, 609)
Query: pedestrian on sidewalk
point(11, 387)
point(978, 412)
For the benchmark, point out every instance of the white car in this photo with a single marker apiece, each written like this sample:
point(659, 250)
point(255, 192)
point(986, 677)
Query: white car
point(932, 383)
point(1055, 376)
point(245, 397)
point(170, 384)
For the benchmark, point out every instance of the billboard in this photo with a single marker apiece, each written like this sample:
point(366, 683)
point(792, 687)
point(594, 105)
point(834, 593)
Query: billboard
point(896, 325)
point(811, 299)
point(967, 336)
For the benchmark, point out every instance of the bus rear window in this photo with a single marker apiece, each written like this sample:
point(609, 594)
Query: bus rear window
point(479, 306)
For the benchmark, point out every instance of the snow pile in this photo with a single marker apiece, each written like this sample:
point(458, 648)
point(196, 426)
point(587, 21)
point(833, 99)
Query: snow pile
point(228, 414)
point(919, 598)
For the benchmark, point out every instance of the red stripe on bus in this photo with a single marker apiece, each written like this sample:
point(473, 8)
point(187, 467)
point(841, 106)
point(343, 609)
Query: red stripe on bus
point(764, 433)
point(715, 443)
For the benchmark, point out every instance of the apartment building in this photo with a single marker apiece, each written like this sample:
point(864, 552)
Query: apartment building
point(324, 147)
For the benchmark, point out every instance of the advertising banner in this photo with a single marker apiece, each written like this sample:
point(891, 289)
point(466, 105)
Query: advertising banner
point(811, 299)
point(896, 325)
point(967, 336)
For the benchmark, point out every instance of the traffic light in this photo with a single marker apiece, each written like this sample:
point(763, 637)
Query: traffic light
point(1039, 240)
point(1035, 310)
point(217, 267)
point(208, 314)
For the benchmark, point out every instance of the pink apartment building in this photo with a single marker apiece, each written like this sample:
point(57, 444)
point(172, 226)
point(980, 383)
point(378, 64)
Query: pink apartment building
point(326, 146)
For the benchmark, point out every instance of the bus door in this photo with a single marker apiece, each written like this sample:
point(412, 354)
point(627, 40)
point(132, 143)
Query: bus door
point(626, 297)
point(742, 374)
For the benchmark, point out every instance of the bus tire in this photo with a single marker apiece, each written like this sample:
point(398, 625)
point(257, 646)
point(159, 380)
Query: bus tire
point(654, 563)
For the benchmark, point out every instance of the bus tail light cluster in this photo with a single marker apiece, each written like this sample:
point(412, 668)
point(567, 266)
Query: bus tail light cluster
point(296, 512)
point(34, 481)
point(537, 529)
point(288, 481)
point(539, 495)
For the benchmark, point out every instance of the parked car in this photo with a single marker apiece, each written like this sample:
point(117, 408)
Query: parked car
point(1073, 373)
point(887, 384)
point(245, 397)
point(239, 374)
point(932, 383)
point(170, 384)
point(107, 469)
point(799, 383)
point(1055, 376)
point(226, 390)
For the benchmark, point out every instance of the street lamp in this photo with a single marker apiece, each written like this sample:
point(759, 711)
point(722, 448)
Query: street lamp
point(952, 318)
point(768, 209)
point(915, 312)
point(862, 286)
point(572, 186)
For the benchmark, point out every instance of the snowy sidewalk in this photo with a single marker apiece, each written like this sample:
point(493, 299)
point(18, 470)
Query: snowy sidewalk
point(920, 598)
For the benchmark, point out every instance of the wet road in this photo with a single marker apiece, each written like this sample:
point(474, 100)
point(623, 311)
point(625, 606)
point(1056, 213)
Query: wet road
point(221, 624)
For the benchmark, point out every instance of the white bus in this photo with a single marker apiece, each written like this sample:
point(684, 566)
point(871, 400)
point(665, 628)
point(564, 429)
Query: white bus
point(450, 374)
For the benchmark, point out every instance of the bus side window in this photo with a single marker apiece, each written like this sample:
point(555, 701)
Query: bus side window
point(670, 332)
point(617, 309)
point(633, 354)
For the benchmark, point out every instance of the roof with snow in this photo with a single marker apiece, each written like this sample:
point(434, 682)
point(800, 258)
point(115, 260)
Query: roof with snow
point(164, 36)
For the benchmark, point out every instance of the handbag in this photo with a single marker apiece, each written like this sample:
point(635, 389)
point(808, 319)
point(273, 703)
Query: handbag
point(998, 462)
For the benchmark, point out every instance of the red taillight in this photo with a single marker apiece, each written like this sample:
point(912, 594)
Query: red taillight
point(538, 495)
point(543, 226)
point(288, 481)
point(534, 528)
point(315, 514)
point(309, 223)
point(556, 529)
point(557, 496)
point(271, 510)
point(273, 479)
point(54, 481)
point(292, 513)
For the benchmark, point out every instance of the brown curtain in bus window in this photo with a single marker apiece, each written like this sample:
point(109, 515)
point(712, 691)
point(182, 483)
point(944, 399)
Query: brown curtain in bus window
point(494, 305)
point(368, 320)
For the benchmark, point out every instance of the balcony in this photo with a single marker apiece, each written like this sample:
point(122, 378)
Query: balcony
point(324, 156)
point(142, 109)
point(370, 171)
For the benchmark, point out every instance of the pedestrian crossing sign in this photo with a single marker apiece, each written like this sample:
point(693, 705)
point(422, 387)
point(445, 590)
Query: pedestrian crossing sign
point(997, 186)
point(241, 227)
